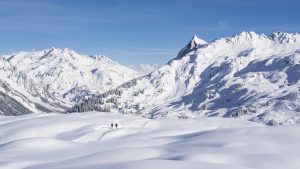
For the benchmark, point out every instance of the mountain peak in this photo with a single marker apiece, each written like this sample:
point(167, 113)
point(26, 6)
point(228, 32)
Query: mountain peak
point(56, 51)
point(102, 58)
point(194, 42)
point(248, 36)
point(284, 37)
point(244, 33)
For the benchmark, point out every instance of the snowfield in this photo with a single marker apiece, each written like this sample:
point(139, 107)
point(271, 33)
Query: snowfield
point(77, 141)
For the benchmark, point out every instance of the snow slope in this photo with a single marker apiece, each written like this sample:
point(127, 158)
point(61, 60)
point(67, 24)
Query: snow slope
point(86, 141)
point(248, 75)
point(68, 75)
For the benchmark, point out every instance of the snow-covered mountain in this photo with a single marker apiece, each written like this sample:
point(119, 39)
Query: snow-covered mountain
point(69, 76)
point(53, 80)
point(20, 95)
point(248, 75)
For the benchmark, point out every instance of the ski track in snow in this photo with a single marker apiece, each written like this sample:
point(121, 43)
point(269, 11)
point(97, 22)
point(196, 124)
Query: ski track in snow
point(86, 140)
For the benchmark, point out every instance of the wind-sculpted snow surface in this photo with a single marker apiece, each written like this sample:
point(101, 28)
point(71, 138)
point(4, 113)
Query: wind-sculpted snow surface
point(87, 141)
point(248, 75)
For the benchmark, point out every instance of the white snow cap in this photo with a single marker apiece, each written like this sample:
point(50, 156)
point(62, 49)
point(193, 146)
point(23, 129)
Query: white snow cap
point(195, 41)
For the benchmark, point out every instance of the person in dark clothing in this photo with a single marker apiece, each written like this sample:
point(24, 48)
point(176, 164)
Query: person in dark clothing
point(112, 125)
point(116, 125)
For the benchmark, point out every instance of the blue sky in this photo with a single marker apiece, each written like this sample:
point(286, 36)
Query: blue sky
point(136, 31)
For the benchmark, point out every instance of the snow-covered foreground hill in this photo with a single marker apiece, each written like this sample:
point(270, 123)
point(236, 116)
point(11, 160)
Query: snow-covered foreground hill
point(86, 140)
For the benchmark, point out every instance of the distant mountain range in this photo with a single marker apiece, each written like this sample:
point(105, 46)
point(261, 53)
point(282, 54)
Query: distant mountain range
point(59, 77)
point(248, 75)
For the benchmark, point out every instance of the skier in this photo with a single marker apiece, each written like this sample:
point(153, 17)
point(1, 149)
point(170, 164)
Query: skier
point(112, 125)
point(116, 125)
